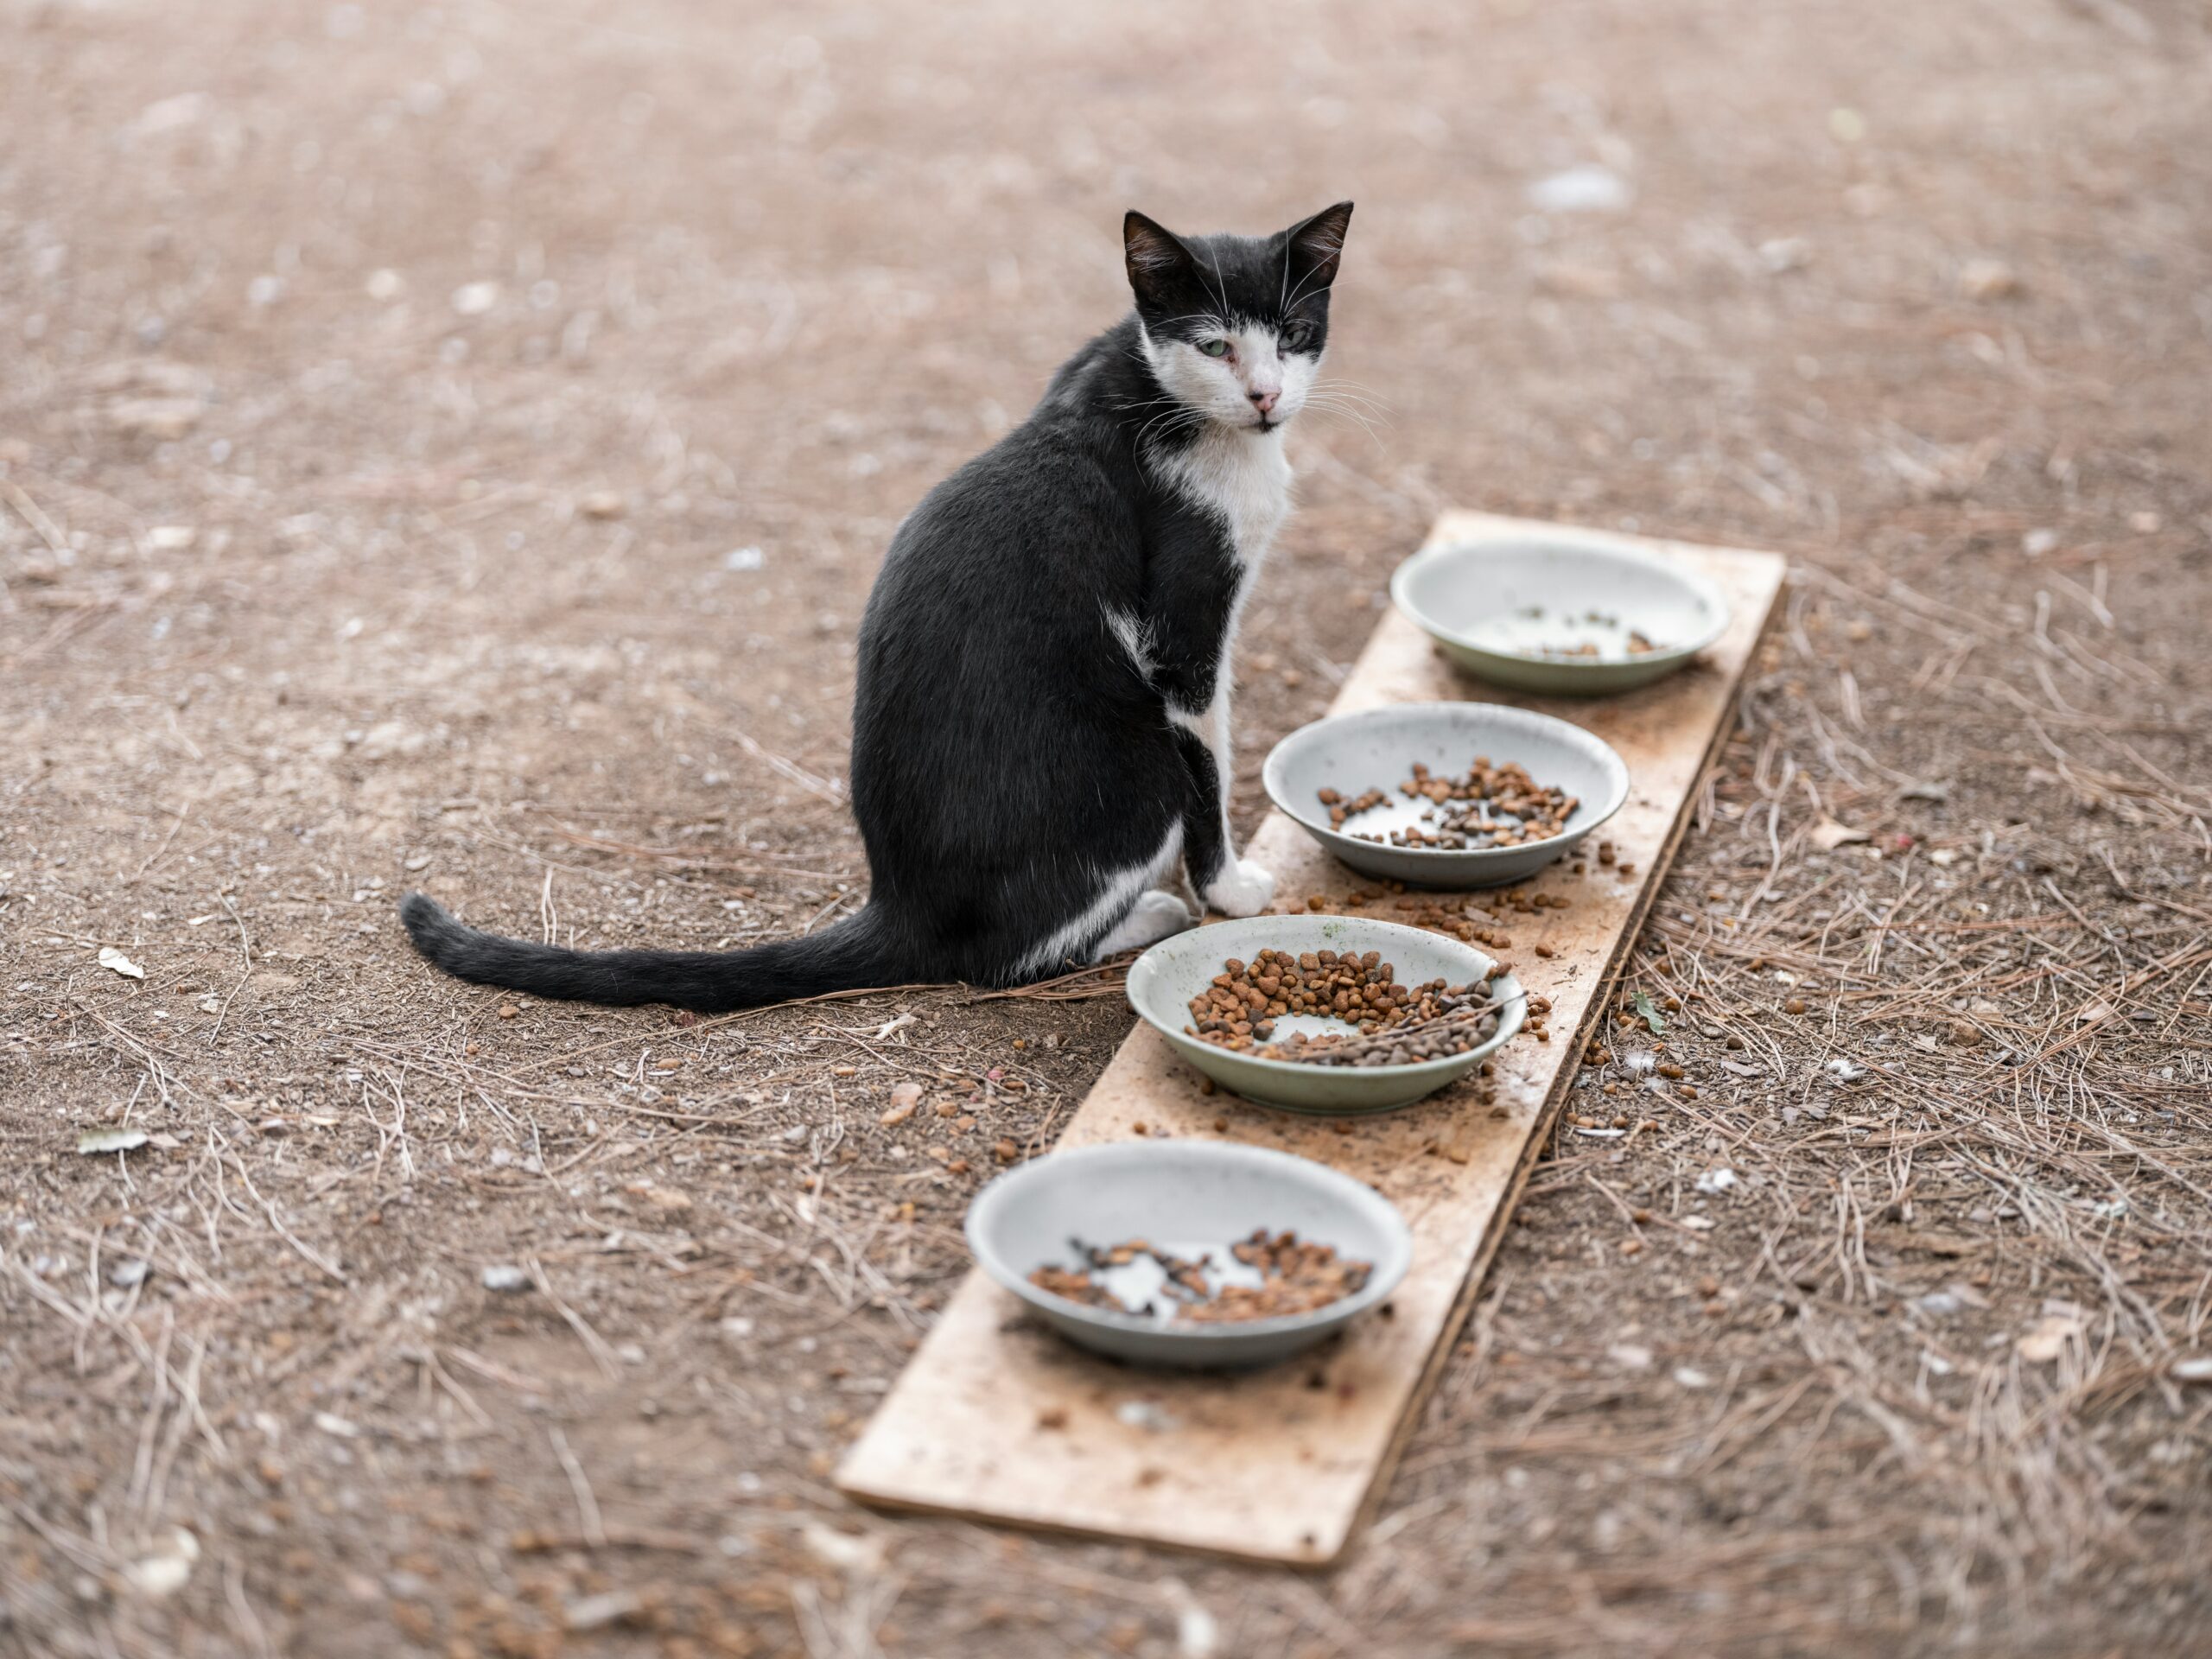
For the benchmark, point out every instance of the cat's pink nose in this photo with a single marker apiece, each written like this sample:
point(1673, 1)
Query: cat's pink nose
point(1264, 401)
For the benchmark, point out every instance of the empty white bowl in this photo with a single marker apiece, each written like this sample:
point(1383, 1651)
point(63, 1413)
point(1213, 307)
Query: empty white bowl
point(1163, 979)
point(1192, 1198)
point(1511, 608)
point(1378, 748)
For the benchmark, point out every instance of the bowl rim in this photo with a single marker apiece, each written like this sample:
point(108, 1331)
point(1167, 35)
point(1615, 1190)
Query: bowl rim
point(1272, 780)
point(1512, 1012)
point(1441, 552)
point(1384, 1277)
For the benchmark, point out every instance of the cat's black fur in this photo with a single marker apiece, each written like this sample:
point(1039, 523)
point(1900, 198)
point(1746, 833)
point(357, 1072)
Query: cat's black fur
point(1011, 757)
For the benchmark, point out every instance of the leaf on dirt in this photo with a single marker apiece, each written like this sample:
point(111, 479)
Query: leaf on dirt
point(1649, 1010)
point(115, 961)
point(2047, 1340)
point(94, 1140)
point(904, 1097)
point(1716, 1180)
point(2093, 1012)
point(1829, 835)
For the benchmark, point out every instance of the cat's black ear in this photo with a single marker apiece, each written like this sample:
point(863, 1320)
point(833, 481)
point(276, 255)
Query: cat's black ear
point(1156, 257)
point(1315, 246)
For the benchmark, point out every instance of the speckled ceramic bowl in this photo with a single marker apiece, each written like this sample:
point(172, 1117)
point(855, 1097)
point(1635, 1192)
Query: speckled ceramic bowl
point(1511, 608)
point(1377, 749)
point(1191, 1196)
point(1163, 981)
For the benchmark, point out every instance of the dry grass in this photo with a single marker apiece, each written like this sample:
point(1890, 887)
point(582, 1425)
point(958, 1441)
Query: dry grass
point(763, 279)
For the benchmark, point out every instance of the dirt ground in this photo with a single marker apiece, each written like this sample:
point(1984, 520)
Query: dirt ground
point(450, 446)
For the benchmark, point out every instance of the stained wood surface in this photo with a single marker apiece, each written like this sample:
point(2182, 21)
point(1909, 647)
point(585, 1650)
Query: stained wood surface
point(997, 1418)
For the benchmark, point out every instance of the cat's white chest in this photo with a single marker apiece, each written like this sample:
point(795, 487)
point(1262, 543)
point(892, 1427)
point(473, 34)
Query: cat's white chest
point(1242, 479)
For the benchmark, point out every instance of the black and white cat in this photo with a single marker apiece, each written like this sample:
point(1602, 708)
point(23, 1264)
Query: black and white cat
point(1041, 729)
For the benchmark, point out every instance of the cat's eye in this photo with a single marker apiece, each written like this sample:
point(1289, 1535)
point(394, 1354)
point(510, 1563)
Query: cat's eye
point(1296, 338)
point(1214, 348)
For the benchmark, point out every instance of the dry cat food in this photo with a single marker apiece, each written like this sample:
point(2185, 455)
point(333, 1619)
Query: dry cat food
point(1630, 641)
point(1637, 647)
point(1489, 806)
point(1293, 1277)
point(1397, 1024)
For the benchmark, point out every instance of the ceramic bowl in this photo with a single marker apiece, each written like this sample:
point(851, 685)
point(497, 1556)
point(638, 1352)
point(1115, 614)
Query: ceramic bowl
point(1377, 749)
point(1192, 1198)
point(1506, 609)
point(1163, 979)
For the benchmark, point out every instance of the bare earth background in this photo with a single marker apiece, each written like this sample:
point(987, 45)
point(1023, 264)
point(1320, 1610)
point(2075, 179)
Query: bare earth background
point(450, 447)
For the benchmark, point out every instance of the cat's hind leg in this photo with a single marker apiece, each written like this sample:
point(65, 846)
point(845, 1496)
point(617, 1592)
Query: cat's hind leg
point(1153, 917)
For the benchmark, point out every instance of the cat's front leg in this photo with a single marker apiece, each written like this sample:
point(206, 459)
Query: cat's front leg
point(1233, 886)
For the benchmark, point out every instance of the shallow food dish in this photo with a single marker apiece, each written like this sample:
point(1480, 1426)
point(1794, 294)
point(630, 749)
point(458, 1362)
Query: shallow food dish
point(1512, 609)
point(1379, 748)
point(1163, 979)
point(1192, 1197)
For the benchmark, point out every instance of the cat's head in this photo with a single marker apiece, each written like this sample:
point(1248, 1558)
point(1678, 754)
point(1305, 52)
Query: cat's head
point(1233, 326)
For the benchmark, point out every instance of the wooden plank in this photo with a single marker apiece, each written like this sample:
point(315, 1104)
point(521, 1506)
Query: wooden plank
point(996, 1419)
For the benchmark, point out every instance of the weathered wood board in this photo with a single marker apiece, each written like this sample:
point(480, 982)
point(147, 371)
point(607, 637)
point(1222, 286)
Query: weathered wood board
point(995, 1417)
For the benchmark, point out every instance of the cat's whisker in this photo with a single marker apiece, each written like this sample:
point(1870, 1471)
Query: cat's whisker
point(1338, 383)
point(1327, 411)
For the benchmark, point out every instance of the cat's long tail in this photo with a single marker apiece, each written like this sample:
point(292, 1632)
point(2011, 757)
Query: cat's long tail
point(855, 954)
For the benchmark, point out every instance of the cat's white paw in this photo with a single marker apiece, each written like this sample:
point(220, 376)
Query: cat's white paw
point(1242, 888)
point(1152, 919)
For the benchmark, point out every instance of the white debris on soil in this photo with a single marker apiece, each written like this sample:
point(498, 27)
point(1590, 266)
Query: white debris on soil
point(94, 1140)
point(1587, 188)
point(597, 1612)
point(166, 1570)
point(848, 1551)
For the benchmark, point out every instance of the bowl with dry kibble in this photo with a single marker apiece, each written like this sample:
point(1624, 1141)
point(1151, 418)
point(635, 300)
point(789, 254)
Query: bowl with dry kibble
point(1335, 1015)
point(1571, 613)
point(1450, 795)
point(1194, 1253)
